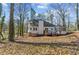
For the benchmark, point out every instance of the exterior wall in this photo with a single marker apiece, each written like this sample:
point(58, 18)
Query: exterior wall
point(29, 27)
point(40, 28)
point(34, 31)
point(50, 30)
point(31, 30)
point(59, 30)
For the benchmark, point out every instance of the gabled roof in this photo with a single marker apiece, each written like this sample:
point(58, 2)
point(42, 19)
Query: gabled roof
point(35, 22)
point(33, 11)
point(47, 24)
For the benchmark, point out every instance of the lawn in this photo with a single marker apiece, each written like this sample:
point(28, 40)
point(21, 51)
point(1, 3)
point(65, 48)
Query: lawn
point(44, 45)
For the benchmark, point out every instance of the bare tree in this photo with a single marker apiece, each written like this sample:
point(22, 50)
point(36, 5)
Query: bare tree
point(50, 16)
point(0, 9)
point(77, 17)
point(21, 14)
point(2, 19)
point(11, 23)
point(62, 13)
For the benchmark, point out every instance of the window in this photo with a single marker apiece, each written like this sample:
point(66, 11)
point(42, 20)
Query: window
point(46, 28)
point(30, 28)
point(30, 23)
point(51, 28)
point(35, 29)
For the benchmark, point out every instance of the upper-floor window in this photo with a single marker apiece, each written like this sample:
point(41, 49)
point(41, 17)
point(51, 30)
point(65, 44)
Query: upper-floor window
point(46, 28)
point(35, 29)
point(30, 23)
point(30, 28)
point(51, 28)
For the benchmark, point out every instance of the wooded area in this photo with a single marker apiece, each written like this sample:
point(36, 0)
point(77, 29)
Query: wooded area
point(16, 26)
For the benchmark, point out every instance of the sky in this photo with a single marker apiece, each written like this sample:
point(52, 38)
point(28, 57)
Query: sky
point(41, 8)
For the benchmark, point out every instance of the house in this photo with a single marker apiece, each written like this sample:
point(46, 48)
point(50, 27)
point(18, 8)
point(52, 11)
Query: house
point(41, 27)
point(38, 26)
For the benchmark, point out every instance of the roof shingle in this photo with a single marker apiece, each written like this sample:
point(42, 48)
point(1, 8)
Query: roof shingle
point(35, 22)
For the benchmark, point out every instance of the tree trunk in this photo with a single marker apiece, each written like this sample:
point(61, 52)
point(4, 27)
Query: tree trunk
point(23, 26)
point(18, 29)
point(77, 16)
point(20, 24)
point(64, 23)
point(0, 9)
point(68, 24)
point(11, 23)
point(2, 22)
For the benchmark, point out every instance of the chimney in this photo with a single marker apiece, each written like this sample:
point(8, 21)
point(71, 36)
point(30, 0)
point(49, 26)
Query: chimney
point(41, 25)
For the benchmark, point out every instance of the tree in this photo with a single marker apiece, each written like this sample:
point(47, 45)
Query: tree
point(21, 14)
point(11, 23)
point(1, 22)
point(50, 16)
point(0, 9)
point(68, 23)
point(77, 16)
point(18, 27)
point(62, 12)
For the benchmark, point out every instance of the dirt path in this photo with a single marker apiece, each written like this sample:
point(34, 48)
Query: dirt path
point(76, 34)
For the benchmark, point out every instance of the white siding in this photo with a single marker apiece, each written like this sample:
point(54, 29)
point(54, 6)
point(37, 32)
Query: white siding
point(34, 31)
point(31, 30)
point(40, 27)
point(50, 30)
point(29, 27)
